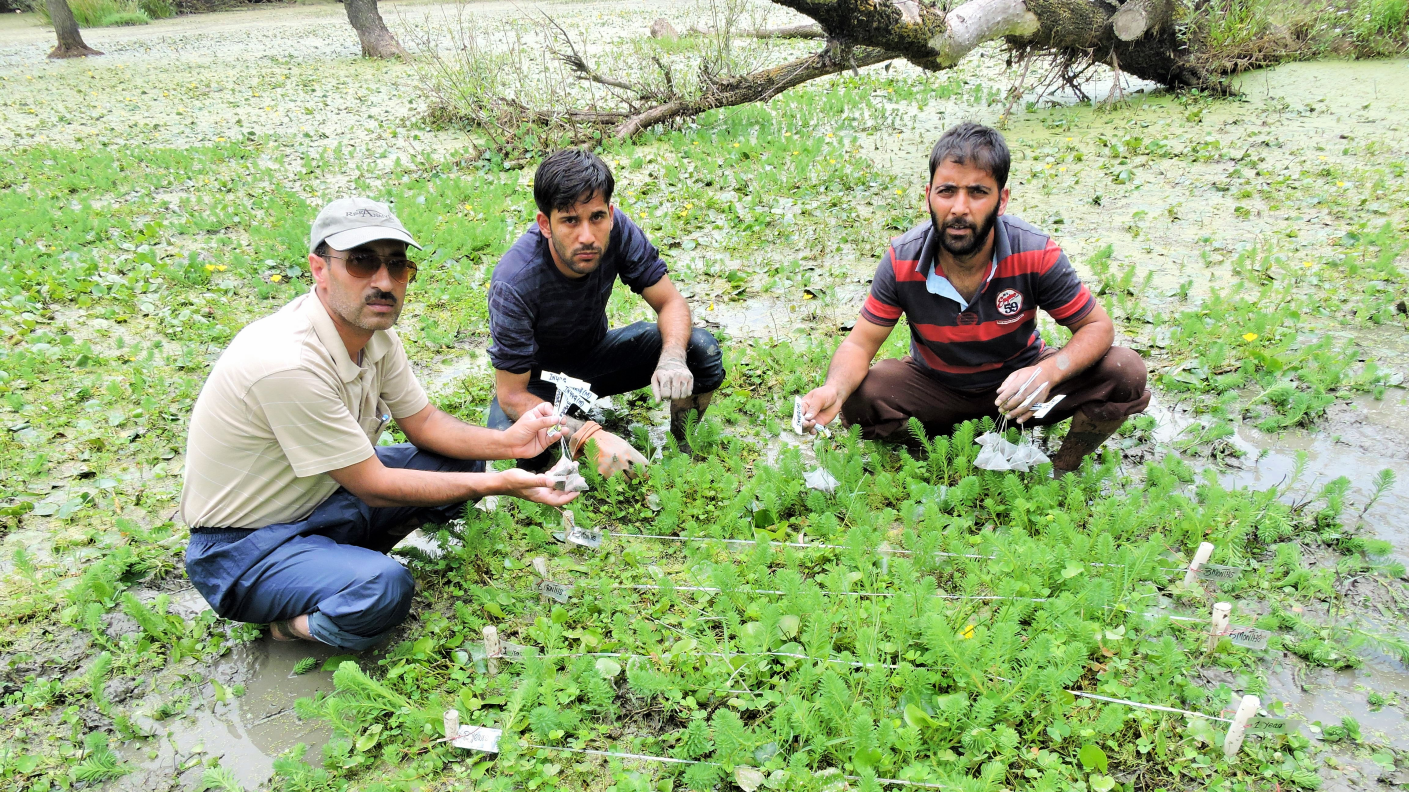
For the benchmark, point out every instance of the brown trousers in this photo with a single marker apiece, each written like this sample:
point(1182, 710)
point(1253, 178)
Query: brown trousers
point(896, 390)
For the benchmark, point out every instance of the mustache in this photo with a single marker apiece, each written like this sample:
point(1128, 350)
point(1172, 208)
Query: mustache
point(380, 297)
point(586, 249)
point(960, 224)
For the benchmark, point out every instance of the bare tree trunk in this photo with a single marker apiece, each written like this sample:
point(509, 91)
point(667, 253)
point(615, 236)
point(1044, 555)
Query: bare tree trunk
point(377, 40)
point(66, 29)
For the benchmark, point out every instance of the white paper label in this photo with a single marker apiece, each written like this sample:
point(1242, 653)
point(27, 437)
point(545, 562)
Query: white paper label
point(478, 738)
point(1249, 637)
point(1219, 572)
point(558, 592)
point(1264, 725)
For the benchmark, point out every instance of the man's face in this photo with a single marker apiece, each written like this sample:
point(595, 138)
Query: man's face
point(578, 236)
point(372, 303)
point(964, 204)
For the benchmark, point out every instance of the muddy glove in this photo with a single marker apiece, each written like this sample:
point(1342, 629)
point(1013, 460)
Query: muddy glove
point(613, 454)
point(672, 380)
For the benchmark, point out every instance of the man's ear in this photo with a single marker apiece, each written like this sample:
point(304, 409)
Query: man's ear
point(318, 266)
point(1003, 200)
point(544, 225)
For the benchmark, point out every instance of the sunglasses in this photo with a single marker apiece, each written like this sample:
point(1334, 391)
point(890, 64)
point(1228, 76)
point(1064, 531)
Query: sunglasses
point(365, 265)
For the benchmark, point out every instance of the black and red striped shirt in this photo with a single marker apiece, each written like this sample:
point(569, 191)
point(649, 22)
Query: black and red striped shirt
point(976, 347)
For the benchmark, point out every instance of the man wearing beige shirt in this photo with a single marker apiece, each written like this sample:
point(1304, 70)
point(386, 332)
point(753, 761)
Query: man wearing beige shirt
point(292, 505)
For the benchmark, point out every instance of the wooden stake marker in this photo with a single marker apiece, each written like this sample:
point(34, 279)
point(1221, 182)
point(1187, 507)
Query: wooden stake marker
point(452, 724)
point(1221, 612)
point(1238, 730)
point(1201, 557)
point(886, 552)
point(493, 650)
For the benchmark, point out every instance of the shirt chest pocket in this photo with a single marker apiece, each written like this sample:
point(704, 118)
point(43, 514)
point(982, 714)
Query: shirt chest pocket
point(375, 420)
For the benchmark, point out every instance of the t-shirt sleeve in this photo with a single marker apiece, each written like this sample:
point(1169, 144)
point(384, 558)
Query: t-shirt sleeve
point(882, 305)
point(511, 328)
point(1060, 292)
point(311, 424)
point(638, 263)
point(401, 391)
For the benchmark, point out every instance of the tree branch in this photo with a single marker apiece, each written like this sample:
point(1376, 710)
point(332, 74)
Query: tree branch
point(759, 86)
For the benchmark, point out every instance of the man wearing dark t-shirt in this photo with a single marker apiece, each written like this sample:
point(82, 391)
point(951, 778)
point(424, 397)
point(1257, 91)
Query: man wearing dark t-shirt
point(548, 312)
point(970, 282)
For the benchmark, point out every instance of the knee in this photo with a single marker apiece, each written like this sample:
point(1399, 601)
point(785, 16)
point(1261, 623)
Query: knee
point(360, 616)
point(1127, 372)
point(706, 360)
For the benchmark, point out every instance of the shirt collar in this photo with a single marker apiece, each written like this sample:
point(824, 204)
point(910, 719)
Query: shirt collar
point(327, 333)
point(927, 266)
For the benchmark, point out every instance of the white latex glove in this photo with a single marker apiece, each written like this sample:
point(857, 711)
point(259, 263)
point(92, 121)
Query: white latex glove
point(672, 380)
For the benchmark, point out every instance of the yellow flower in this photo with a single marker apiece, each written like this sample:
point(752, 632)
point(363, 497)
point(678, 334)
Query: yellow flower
point(829, 134)
point(1321, 157)
point(1306, 264)
point(276, 278)
point(221, 267)
point(736, 145)
point(1249, 336)
point(967, 633)
point(1340, 184)
point(1063, 169)
point(210, 268)
point(1046, 165)
point(794, 153)
point(689, 206)
point(832, 161)
point(711, 306)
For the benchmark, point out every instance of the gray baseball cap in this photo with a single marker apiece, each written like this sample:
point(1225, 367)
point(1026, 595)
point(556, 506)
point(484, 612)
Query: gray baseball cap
point(348, 222)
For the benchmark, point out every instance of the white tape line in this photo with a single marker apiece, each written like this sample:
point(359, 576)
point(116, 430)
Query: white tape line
point(711, 590)
point(727, 655)
point(1141, 705)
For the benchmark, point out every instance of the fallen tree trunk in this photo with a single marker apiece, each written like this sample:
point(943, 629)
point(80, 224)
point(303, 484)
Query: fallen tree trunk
point(71, 43)
point(1138, 39)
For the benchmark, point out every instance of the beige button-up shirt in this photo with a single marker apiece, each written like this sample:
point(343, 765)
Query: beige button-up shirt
point(284, 405)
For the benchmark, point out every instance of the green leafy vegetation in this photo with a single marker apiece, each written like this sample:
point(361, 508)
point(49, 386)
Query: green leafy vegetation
point(130, 266)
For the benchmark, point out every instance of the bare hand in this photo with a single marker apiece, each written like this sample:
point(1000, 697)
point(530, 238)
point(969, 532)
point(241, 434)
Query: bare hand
point(532, 487)
point(672, 379)
point(1023, 389)
point(820, 407)
point(533, 433)
point(615, 455)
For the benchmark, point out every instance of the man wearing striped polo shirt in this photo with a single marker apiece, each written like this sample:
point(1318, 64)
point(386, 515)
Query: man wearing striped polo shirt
point(970, 281)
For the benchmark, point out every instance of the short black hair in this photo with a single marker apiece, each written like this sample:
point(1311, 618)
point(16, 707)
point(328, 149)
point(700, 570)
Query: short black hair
point(322, 250)
point(569, 177)
point(973, 144)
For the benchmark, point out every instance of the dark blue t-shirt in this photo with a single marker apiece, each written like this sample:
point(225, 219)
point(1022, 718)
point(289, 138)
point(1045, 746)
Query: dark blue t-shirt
point(537, 315)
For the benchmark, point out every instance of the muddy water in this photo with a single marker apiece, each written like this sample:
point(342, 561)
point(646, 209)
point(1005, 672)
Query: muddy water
point(246, 732)
point(1359, 439)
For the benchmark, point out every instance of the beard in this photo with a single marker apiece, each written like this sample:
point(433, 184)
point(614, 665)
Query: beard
point(971, 244)
point(569, 257)
point(352, 308)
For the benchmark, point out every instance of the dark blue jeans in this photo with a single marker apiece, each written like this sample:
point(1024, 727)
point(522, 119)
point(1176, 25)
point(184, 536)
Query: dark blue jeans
point(623, 361)
point(331, 565)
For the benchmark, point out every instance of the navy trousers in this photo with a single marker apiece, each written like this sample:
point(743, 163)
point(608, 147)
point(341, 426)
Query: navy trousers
point(332, 565)
point(623, 361)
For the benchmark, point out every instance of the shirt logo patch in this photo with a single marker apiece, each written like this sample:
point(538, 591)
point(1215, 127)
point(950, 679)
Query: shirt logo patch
point(1010, 302)
point(967, 318)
